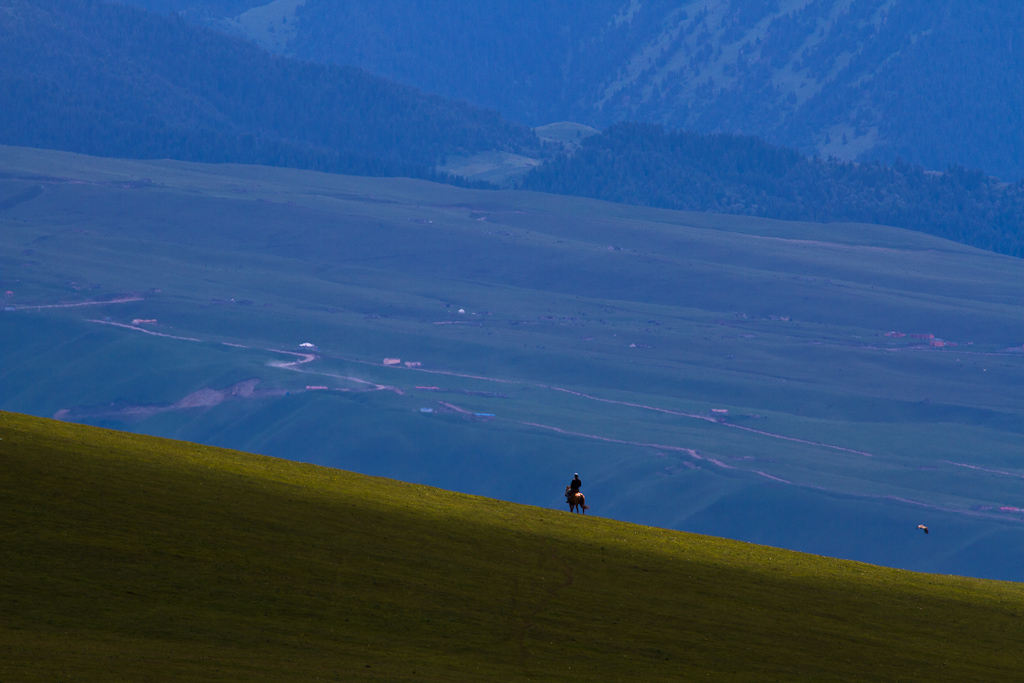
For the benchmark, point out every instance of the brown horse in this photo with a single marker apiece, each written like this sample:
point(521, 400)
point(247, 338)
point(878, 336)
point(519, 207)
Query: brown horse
point(576, 501)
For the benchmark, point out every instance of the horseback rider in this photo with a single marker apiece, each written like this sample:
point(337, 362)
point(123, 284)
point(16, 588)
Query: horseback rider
point(574, 486)
point(574, 497)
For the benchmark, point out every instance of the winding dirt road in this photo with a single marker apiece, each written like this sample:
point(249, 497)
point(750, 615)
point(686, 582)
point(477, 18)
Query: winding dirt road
point(303, 359)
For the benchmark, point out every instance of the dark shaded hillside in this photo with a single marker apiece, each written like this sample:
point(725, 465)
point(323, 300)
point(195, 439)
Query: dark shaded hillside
point(111, 80)
point(645, 165)
point(937, 82)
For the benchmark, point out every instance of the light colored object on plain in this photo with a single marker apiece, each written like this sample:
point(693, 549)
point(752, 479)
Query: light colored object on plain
point(462, 310)
point(392, 361)
point(413, 364)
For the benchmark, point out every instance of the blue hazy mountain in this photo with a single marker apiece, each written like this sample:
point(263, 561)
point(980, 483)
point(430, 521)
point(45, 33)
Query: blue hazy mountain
point(113, 80)
point(933, 82)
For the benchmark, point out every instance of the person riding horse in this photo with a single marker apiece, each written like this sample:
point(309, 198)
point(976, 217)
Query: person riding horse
point(574, 497)
point(573, 487)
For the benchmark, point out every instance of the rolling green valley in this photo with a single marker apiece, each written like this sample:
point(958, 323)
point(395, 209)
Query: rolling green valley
point(820, 387)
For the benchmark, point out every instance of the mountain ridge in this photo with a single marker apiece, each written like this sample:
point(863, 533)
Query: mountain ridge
point(934, 83)
point(108, 79)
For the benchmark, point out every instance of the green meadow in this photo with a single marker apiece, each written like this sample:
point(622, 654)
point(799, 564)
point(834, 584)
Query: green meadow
point(134, 558)
point(718, 374)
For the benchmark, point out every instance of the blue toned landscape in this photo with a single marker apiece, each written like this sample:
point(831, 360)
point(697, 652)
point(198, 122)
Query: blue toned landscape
point(312, 309)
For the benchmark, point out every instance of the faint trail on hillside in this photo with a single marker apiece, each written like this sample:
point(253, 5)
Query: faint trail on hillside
point(143, 330)
point(631, 405)
point(452, 406)
point(793, 438)
point(840, 245)
point(898, 499)
point(679, 449)
point(456, 374)
point(985, 469)
point(711, 419)
point(917, 503)
point(773, 478)
point(120, 300)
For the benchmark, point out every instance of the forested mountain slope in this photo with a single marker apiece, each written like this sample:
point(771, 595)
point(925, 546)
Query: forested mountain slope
point(646, 165)
point(112, 80)
point(934, 82)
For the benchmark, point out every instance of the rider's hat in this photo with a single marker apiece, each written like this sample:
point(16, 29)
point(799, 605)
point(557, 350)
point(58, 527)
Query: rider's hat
point(576, 474)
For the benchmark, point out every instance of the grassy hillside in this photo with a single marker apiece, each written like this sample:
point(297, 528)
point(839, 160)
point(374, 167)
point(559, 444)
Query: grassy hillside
point(603, 338)
point(134, 558)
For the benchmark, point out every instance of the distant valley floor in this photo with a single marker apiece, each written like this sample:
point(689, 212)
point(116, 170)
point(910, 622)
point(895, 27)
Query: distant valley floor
point(820, 387)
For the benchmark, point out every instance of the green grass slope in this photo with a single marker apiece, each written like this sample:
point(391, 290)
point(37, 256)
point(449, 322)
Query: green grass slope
point(134, 558)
